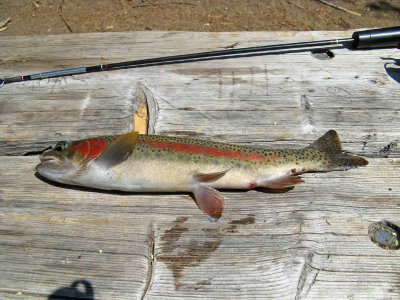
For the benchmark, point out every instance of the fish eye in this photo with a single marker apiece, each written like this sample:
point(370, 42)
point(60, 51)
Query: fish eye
point(60, 146)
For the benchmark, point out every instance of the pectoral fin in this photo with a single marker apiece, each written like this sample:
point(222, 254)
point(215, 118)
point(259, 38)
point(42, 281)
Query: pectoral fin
point(210, 201)
point(282, 182)
point(118, 151)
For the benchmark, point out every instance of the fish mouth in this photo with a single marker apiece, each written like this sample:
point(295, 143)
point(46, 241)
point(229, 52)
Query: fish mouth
point(52, 164)
point(51, 158)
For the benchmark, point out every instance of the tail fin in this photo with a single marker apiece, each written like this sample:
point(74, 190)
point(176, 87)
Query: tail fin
point(330, 144)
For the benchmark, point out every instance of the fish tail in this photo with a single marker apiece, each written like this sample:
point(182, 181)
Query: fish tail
point(330, 145)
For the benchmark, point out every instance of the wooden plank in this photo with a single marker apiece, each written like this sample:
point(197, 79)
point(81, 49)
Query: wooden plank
point(311, 242)
point(304, 243)
point(250, 99)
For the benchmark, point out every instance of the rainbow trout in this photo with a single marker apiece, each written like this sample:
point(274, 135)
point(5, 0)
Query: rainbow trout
point(151, 163)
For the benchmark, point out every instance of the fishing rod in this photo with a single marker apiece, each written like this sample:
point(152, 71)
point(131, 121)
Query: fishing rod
point(365, 39)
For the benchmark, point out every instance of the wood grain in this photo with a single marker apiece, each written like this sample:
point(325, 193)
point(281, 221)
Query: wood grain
point(309, 243)
point(303, 243)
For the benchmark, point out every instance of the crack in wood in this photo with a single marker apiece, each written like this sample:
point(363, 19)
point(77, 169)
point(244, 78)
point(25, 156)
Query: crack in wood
point(220, 84)
point(251, 82)
point(145, 110)
point(233, 84)
point(389, 148)
point(150, 261)
point(307, 277)
point(35, 152)
point(367, 139)
point(308, 111)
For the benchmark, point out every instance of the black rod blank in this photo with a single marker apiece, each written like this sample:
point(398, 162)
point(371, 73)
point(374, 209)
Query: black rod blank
point(366, 39)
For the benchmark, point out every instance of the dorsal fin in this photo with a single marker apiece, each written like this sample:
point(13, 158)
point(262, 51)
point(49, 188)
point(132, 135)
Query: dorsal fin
point(329, 143)
point(118, 151)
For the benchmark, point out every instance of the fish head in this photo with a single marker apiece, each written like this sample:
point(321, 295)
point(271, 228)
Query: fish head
point(59, 162)
point(71, 162)
point(68, 160)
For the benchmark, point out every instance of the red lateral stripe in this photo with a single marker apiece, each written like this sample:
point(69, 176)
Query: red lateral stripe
point(199, 149)
point(89, 148)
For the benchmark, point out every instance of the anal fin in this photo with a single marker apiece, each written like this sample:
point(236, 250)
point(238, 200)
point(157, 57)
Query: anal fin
point(210, 201)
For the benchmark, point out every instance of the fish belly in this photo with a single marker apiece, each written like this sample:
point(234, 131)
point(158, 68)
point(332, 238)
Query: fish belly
point(143, 175)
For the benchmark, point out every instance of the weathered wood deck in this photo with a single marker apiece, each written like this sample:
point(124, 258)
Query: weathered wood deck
point(309, 243)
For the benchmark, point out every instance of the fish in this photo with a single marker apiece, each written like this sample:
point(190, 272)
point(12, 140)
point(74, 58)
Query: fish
point(134, 162)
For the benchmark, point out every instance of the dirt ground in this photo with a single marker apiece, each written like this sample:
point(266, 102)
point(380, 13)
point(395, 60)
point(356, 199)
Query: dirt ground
point(28, 17)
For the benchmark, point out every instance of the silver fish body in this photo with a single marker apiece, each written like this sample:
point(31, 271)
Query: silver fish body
point(145, 163)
